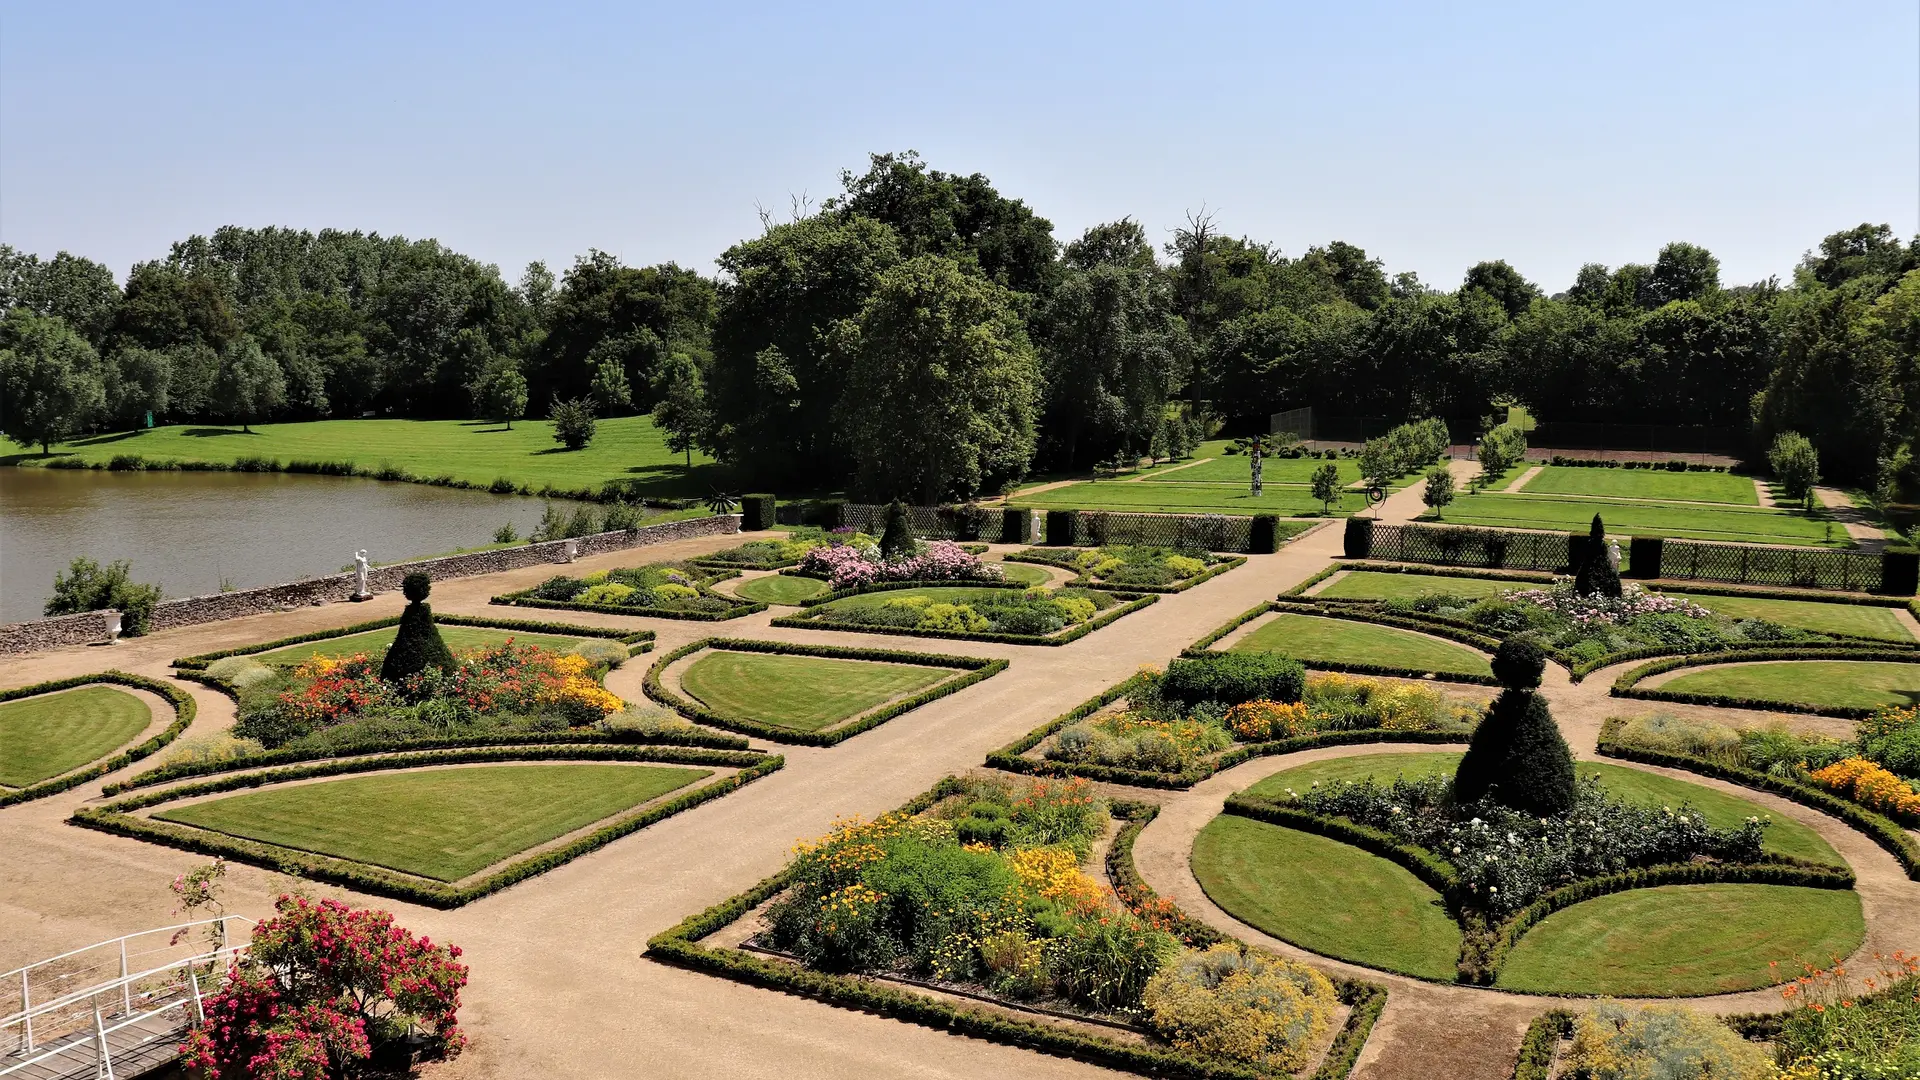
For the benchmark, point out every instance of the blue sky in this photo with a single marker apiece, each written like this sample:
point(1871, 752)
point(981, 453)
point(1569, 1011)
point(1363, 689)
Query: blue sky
point(1433, 135)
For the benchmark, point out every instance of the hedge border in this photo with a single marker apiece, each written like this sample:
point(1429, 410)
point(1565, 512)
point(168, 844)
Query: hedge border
point(1133, 602)
point(1480, 573)
point(1541, 1044)
point(184, 710)
point(831, 595)
point(681, 946)
point(1626, 686)
point(637, 641)
point(1477, 641)
point(976, 670)
point(115, 817)
point(738, 608)
point(1226, 563)
point(1878, 827)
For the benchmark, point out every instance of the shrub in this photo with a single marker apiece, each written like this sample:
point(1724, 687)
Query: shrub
point(1266, 721)
point(1595, 574)
point(1519, 662)
point(1234, 677)
point(417, 645)
point(239, 672)
point(756, 513)
point(601, 653)
point(607, 592)
point(1681, 735)
point(897, 538)
point(573, 423)
point(642, 720)
point(1870, 786)
point(1105, 962)
point(1625, 1042)
point(1518, 758)
point(1796, 464)
point(214, 746)
point(88, 586)
point(1891, 739)
point(559, 587)
point(1262, 1010)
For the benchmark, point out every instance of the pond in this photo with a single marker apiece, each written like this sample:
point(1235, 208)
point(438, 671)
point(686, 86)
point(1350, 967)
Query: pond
point(193, 533)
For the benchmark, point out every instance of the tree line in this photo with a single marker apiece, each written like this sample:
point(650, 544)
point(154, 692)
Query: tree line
point(920, 334)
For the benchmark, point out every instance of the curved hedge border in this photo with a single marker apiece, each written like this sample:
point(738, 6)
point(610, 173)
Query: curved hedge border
point(115, 817)
point(1295, 607)
point(893, 586)
point(1684, 586)
point(1878, 827)
point(681, 946)
point(184, 710)
point(976, 670)
point(637, 641)
point(1133, 602)
point(1517, 577)
point(1626, 686)
point(738, 607)
point(1084, 582)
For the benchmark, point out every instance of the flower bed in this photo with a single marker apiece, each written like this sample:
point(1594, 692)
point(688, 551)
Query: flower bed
point(667, 590)
point(985, 611)
point(1137, 567)
point(772, 554)
point(854, 559)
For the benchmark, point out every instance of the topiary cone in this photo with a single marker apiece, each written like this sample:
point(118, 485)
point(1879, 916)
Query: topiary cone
point(417, 645)
point(1518, 757)
point(897, 538)
point(1595, 576)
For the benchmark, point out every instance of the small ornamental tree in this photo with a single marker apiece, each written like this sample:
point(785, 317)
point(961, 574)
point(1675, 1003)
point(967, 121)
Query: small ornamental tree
point(417, 644)
point(573, 423)
point(1596, 574)
point(897, 537)
point(500, 393)
point(1439, 490)
point(1326, 486)
point(1796, 464)
point(1379, 464)
point(88, 586)
point(323, 987)
point(1518, 757)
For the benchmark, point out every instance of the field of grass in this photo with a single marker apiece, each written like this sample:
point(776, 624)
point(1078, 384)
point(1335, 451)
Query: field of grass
point(625, 448)
point(438, 823)
point(1645, 484)
point(375, 643)
point(1374, 585)
point(1854, 684)
point(1623, 519)
point(1784, 837)
point(805, 693)
point(42, 737)
point(1857, 620)
point(1172, 497)
point(1326, 896)
point(1684, 940)
point(1238, 469)
point(780, 589)
point(1309, 638)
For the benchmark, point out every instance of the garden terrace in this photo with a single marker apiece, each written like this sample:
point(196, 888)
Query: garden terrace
point(667, 590)
point(377, 634)
point(1134, 567)
point(1652, 485)
point(1625, 517)
point(1332, 637)
point(441, 828)
point(819, 695)
point(58, 734)
point(977, 611)
point(1828, 682)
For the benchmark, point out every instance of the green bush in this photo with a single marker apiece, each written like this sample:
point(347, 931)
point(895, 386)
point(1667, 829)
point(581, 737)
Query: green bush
point(417, 645)
point(1262, 1010)
point(1233, 677)
point(1519, 662)
point(1518, 758)
point(1627, 1042)
point(897, 538)
point(88, 586)
point(573, 423)
point(756, 513)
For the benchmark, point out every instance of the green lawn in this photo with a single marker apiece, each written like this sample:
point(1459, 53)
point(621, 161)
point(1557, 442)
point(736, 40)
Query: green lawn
point(805, 693)
point(1858, 620)
point(44, 736)
point(375, 643)
point(1374, 585)
point(439, 823)
point(780, 589)
point(1172, 497)
point(1854, 684)
point(627, 448)
point(1326, 896)
point(1685, 940)
point(1624, 519)
point(1025, 573)
point(1784, 837)
point(1238, 468)
point(1310, 638)
point(1645, 484)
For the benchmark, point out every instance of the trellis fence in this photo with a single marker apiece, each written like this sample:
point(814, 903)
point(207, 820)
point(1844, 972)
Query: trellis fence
point(1017, 525)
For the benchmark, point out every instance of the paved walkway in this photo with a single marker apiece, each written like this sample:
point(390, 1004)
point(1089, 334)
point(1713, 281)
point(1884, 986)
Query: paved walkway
point(1858, 521)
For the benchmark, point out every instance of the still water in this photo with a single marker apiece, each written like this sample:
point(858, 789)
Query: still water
point(192, 532)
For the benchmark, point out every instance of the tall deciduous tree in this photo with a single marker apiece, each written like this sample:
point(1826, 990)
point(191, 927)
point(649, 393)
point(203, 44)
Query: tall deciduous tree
point(500, 393)
point(680, 404)
point(137, 383)
point(250, 384)
point(50, 385)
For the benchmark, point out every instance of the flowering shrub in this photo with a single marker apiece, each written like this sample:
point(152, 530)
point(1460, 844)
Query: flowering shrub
point(1027, 611)
point(1263, 1010)
point(1626, 1042)
point(1840, 1028)
point(1139, 740)
point(323, 986)
point(1261, 721)
point(1125, 565)
point(1631, 604)
point(673, 586)
point(847, 565)
point(1891, 739)
point(607, 592)
point(1337, 702)
point(1870, 785)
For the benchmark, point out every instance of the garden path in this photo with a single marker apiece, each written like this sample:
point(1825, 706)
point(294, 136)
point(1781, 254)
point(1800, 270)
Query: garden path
point(1524, 478)
point(1858, 521)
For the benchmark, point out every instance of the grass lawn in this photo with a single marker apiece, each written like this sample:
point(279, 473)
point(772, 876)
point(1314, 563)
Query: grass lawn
point(439, 823)
point(1623, 519)
point(44, 736)
point(805, 693)
point(1329, 897)
point(1858, 620)
point(375, 643)
point(1238, 468)
point(1025, 573)
point(1172, 497)
point(1309, 638)
point(1685, 940)
point(1860, 684)
point(1645, 484)
point(1784, 837)
point(625, 448)
point(1374, 585)
point(780, 589)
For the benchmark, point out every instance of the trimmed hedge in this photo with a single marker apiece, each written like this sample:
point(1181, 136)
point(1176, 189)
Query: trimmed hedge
point(117, 819)
point(1518, 577)
point(1263, 535)
point(1626, 685)
point(1358, 541)
point(1352, 612)
point(1063, 527)
point(1301, 589)
point(1707, 588)
point(895, 586)
point(1084, 582)
point(638, 641)
point(1541, 1044)
point(976, 669)
point(184, 710)
point(737, 608)
point(756, 513)
point(1016, 525)
point(1134, 602)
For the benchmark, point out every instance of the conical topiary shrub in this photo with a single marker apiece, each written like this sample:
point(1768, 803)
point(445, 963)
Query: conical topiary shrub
point(1595, 576)
point(897, 538)
point(417, 644)
point(1518, 757)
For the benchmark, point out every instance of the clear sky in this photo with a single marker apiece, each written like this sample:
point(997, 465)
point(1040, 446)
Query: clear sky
point(1434, 135)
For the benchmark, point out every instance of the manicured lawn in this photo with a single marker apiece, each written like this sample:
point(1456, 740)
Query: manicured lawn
point(939, 594)
point(1172, 497)
point(1863, 684)
point(1624, 519)
point(1309, 638)
point(1238, 468)
point(1784, 837)
point(1374, 585)
point(1645, 484)
point(627, 448)
point(375, 643)
point(780, 589)
point(1685, 940)
point(805, 693)
point(1025, 573)
point(439, 823)
point(42, 737)
point(1858, 620)
point(1329, 897)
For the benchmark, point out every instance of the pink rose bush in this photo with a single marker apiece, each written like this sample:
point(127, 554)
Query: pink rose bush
point(1633, 602)
point(848, 565)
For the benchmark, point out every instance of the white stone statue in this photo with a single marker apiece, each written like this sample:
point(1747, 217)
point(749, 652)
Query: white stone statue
point(360, 590)
point(1613, 554)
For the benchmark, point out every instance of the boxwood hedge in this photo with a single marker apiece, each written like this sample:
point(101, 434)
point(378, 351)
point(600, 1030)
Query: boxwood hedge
point(184, 710)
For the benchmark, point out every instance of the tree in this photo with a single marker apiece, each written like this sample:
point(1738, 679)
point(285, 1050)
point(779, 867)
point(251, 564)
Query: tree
point(680, 404)
point(417, 644)
point(610, 391)
point(941, 384)
point(1326, 486)
point(1683, 272)
point(573, 423)
point(1503, 284)
point(1796, 464)
point(1439, 489)
point(88, 586)
point(250, 383)
point(50, 386)
point(500, 394)
point(137, 384)
point(1380, 464)
point(1517, 756)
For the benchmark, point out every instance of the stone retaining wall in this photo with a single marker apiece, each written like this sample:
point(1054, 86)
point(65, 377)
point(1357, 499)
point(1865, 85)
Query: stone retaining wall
point(91, 626)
